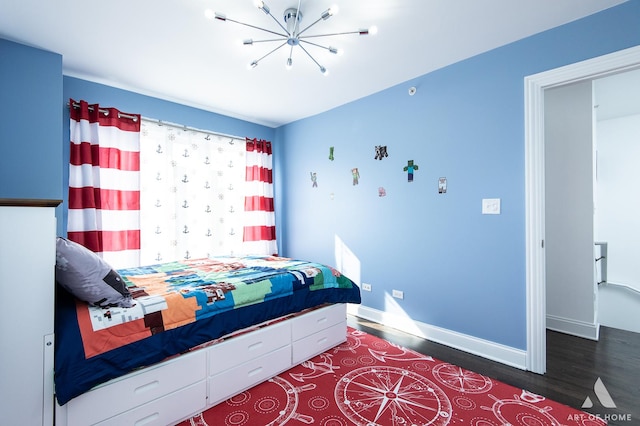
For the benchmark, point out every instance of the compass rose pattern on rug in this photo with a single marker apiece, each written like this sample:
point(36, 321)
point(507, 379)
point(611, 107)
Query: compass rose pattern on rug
point(367, 381)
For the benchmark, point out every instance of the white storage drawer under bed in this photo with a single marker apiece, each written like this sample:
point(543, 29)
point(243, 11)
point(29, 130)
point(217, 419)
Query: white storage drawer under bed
point(245, 347)
point(244, 376)
point(317, 343)
point(316, 331)
point(138, 388)
point(317, 320)
point(164, 411)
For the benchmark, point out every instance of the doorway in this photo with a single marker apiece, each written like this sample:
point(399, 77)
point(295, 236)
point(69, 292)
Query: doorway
point(535, 184)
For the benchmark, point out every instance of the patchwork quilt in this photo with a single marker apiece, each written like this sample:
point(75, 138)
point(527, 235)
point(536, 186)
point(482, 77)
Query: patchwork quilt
point(180, 305)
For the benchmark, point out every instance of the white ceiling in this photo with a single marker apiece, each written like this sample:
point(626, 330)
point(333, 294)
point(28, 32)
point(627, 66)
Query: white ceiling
point(168, 49)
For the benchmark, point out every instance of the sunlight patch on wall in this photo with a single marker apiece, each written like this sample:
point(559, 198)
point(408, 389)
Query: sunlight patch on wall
point(396, 317)
point(346, 261)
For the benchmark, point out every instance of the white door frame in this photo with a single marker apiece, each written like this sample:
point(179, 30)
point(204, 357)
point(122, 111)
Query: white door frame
point(535, 86)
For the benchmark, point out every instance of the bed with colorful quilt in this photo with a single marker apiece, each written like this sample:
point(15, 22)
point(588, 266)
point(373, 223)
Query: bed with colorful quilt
point(191, 334)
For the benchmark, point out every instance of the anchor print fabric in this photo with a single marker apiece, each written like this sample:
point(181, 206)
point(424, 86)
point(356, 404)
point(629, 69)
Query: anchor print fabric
point(192, 193)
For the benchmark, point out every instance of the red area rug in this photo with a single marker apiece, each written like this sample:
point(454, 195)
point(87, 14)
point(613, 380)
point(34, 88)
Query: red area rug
point(368, 381)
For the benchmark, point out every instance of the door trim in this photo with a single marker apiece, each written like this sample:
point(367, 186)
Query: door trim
point(534, 87)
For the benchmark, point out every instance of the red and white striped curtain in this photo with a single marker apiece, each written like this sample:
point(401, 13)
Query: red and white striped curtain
point(259, 228)
point(104, 182)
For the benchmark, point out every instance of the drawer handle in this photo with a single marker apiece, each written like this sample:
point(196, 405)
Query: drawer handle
point(147, 387)
point(255, 371)
point(255, 346)
point(147, 419)
point(321, 320)
point(321, 341)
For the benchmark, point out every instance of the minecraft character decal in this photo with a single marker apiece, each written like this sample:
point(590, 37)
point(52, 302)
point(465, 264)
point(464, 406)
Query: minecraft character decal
point(314, 179)
point(381, 192)
point(442, 185)
point(331, 153)
point(410, 168)
point(381, 152)
point(356, 175)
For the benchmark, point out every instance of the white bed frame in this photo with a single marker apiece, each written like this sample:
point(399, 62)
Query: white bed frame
point(176, 389)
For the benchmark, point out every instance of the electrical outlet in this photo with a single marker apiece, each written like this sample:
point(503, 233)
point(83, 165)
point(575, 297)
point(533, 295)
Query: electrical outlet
point(366, 286)
point(398, 294)
point(491, 206)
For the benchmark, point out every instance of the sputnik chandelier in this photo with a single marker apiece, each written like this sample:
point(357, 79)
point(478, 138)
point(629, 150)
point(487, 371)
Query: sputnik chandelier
point(293, 36)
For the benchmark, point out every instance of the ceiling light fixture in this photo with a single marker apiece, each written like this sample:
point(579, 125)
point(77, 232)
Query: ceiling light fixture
point(293, 35)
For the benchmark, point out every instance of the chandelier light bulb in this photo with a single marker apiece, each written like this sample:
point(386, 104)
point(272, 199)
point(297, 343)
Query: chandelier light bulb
point(373, 30)
point(263, 7)
point(289, 63)
point(209, 14)
point(329, 12)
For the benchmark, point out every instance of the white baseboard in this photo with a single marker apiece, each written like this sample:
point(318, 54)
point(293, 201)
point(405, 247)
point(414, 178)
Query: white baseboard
point(484, 348)
point(575, 328)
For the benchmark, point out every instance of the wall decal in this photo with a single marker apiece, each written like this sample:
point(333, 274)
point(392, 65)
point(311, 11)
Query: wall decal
point(314, 179)
point(381, 152)
point(442, 185)
point(410, 168)
point(331, 153)
point(381, 192)
point(355, 174)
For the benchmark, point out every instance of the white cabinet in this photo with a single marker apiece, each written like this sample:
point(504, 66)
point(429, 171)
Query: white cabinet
point(27, 262)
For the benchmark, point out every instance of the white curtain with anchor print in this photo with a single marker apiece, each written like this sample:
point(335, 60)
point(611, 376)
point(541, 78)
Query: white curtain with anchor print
point(192, 193)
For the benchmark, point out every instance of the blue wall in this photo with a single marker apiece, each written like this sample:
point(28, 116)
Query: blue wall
point(30, 122)
point(459, 269)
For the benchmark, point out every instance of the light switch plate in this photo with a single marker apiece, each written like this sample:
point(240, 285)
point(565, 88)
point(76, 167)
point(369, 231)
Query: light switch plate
point(491, 206)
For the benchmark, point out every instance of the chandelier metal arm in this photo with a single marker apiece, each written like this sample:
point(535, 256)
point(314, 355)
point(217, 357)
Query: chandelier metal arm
point(258, 60)
point(297, 25)
point(290, 56)
point(329, 48)
point(361, 32)
point(252, 41)
point(310, 25)
point(268, 12)
point(323, 69)
point(258, 28)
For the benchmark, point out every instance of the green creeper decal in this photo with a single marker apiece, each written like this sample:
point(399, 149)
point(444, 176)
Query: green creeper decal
point(409, 168)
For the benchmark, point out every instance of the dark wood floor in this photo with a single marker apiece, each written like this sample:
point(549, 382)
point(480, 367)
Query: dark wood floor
point(573, 366)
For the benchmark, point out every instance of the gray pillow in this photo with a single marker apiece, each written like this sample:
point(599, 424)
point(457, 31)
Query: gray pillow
point(88, 277)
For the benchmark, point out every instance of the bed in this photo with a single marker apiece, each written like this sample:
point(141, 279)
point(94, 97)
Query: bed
point(200, 331)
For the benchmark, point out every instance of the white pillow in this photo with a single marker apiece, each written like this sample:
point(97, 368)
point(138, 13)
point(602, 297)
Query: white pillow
point(88, 277)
